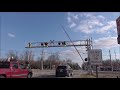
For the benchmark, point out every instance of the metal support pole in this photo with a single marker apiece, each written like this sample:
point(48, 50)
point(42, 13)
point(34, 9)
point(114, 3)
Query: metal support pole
point(42, 60)
point(96, 71)
point(89, 63)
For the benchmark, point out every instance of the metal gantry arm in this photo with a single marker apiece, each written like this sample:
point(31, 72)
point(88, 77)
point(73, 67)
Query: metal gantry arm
point(59, 44)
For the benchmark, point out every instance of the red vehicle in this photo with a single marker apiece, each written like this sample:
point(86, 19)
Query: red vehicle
point(14, 69)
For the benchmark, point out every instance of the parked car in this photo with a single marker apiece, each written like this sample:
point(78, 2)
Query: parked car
point(64, 70)
point(14, 69)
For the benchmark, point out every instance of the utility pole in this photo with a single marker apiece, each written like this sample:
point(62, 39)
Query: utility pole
point(51, 60)
point(115, 54)
point(110, 60)
point(42, 59)
point(116, 61)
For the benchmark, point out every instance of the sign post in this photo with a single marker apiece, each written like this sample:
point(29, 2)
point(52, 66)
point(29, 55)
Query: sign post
point(95, 56)
point(96, 71)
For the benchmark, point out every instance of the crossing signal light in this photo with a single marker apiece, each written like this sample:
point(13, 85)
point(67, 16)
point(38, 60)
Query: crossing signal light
point(85, 59)
point(41, 44)
point(29, 45)
point(46, 44)
point(64, 43)
point(59, 43)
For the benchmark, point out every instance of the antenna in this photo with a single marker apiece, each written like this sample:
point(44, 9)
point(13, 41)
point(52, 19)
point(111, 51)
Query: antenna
point(72, 42)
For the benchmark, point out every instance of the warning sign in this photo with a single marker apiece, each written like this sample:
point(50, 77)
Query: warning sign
point(95, 56)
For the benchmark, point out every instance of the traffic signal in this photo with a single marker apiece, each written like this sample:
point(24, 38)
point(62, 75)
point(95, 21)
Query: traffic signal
point(29, 45)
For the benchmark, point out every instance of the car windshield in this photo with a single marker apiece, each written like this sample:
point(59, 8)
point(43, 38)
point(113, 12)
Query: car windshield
point(61, 67)
point(4, 64)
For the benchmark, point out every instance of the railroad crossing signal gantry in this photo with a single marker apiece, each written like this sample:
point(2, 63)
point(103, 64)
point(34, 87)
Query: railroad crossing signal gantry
point(87, 43)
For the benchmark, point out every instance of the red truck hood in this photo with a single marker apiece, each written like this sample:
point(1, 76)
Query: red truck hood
point(2, 70)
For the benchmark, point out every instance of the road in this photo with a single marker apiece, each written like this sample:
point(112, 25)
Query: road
point(76, 74)
point(109, 74)
point(51, 73)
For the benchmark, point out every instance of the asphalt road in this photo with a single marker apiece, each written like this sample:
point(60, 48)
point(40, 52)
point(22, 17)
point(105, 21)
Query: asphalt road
point(51, 73)
point(109, 74)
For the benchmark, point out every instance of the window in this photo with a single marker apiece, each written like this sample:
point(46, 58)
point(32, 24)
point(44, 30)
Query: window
point(14, 65)
point(22, 66)
point(4, 64)
point(61, 67)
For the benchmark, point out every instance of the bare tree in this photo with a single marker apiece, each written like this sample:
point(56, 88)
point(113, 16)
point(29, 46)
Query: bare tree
point(27, 56)
point(68, 60)
point(11, 54)
point(52, 59)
